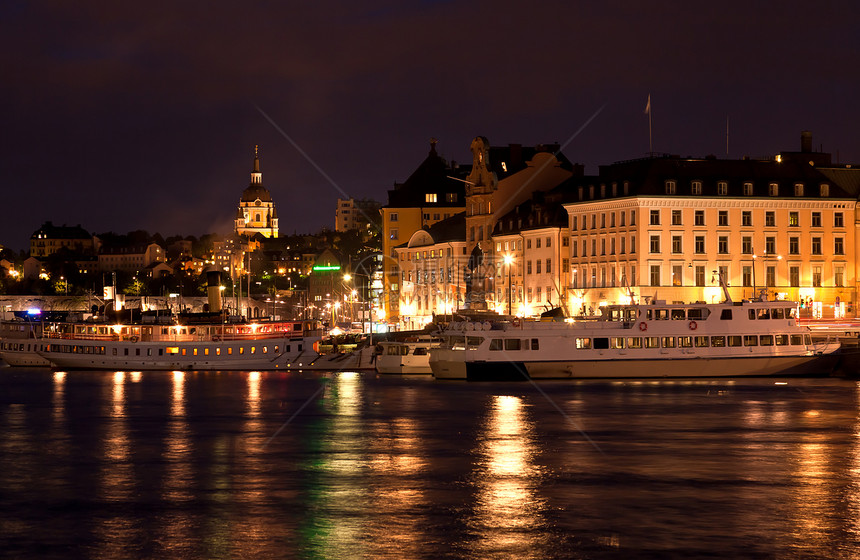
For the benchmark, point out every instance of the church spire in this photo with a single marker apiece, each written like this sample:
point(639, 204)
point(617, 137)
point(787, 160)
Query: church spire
point(256, 176)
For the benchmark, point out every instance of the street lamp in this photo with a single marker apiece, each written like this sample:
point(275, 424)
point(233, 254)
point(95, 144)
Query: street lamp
point(509, 259)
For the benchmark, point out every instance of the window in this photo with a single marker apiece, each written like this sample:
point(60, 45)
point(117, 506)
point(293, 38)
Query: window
point(537, 243)
point(838, 246)
point(816, 245)
point(430, 197)
point(549, 266)
point(746, 245)
point(393, 234)
point(537, 266)
point(670, 187)
point(798, 189)
point(655, 275)
point(746, 218)
point(392, 217)
point(816, 219)
point(565, 241)
point(723, 218)
point(677, 275)
point(528, 267)
point(700, 244)
point(838, 220)
point(773, 189)
point(676, 244)
point(451, 197)
point(548, 242)
point(655, 244)
point(769, 245)
point(700, 275)
point(748, 189)
point(770, 219)
point(793, 245)
point(676, 217)
point(696, 188)
point(722, 188)
point(655, 218)
point(816, 276)
point(770, 276)
point(723, 245)
point(565, 265)
point(793, 219)
point(623, 239)
point(632, 244)
point(824, 190)
point(794, 276)
point(621, 218)
point(612, 219)
point(838, 275)
point(699, 218)
point(746, 276)
point(426, 216)
point(632, 215)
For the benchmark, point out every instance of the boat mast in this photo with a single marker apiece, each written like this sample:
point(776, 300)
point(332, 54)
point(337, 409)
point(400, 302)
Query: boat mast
point(728, 298)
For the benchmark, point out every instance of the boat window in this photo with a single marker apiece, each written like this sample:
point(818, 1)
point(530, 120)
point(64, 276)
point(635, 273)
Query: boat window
point(126, 351)
point(512, 344)
point(685, 341)
point(751, 313)
point(750, 340)
point(791, 313)
point(766, 340)
point(726, 315)
point(796, 339)
point(634, 342)
point(420, 352)
point(652, 342)
point(777, 313)
point(601, 343)
point(661, 314)
point(241, 350)
point(535, 344)
point(763, 314)
point(807, 339)
point(137, 351)
point(697, 313)
point(718, 341)
point(700, 341)
point(679, 314)
point(734, 340)
point(458, 342)
point(472, 342)
point(276, 348)
point(253, 349)
point(194, 352)
point(616, 342)
point(265, 349)
point(218, 351)
point(495, 344)
point(230, 351)
point(114, 351)
point(173, 350)
point(668, 342)
point(583, 343)
point(781, 339)
point(403, 350)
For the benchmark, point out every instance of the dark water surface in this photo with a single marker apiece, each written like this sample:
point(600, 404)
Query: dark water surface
point(349, 465)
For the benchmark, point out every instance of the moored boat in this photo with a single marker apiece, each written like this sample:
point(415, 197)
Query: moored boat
point(749, 338)
point(409, 356)
point(191, 346)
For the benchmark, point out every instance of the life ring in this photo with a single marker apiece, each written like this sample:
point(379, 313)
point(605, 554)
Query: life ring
point(133, 338)
point(643, 326)
point(693, 325)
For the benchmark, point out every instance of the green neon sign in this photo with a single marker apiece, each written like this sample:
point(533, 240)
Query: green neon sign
point(326, 268)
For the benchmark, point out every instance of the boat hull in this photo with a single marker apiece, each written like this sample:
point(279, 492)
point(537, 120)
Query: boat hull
point(816, 365)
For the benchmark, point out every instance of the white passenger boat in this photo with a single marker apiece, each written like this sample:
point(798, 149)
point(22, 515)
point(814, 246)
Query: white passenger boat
point(749, 338)
point(20, 343)
point(204, 346)
point(410, 356)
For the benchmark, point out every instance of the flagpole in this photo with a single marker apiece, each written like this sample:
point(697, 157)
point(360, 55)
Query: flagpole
point(648, 110)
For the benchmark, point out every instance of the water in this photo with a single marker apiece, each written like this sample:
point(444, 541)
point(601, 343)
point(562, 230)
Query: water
point(349, 465)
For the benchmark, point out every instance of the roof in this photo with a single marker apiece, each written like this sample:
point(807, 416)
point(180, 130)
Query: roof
point(649, 176)
point(433, 176)
point(50, 231)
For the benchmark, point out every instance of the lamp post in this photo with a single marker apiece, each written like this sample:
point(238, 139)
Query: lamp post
point(753, 271)
point(509, 259)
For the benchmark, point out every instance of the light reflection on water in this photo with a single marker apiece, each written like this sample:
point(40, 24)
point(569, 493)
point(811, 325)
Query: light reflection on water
point(184, 464)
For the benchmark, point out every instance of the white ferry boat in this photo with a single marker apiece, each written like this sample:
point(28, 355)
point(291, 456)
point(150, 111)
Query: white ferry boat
point(749, 338)
point(410, 356)
point(205, 346)
point(20, 343)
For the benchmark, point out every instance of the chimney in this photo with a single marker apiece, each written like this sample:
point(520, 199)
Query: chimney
point(213, 289)
point(806, 141)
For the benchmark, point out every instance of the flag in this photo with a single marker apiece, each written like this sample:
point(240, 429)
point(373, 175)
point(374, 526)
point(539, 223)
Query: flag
point(648, 105)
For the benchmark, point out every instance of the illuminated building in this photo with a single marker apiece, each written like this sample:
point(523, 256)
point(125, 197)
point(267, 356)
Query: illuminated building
point(361, 214)
point(664, 225)
point(49, 239)
point(256, 213)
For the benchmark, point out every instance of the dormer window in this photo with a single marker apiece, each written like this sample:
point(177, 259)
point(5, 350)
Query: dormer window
point(430, 198)
point(773, 189)
point(696, 188)
point(748, 189)
point(798, 189)
point(670, 187)
point(722, 188)
point(824, 189)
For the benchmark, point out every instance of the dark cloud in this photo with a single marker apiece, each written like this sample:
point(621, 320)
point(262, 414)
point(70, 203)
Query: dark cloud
point(122, 117)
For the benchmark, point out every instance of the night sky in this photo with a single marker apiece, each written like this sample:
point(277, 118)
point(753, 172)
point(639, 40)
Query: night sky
point(123, 116)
